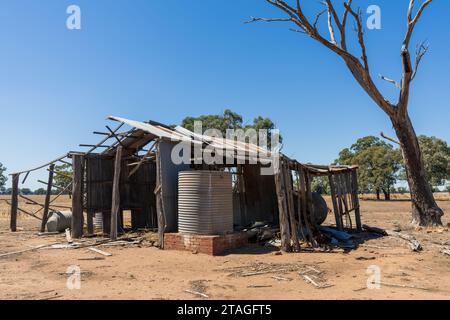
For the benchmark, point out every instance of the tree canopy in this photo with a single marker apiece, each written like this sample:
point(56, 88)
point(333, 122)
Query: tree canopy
point(3, 178)
point(378, 161)
point(436, 155)
point(230, 120)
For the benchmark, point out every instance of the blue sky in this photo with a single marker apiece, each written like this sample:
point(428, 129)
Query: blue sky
point(167, 59)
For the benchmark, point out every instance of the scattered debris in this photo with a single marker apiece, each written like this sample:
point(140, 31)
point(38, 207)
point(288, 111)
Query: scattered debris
point(403, 286)
point(198, 287)
point(337, 238)
point(47, 291)
point(122, 243)
point(91, 259)
point(445, 251)
point(339, 235)
point(73, 245)
point(365, 258)
point(44, 234)
point(259, 286)
point(309, 280)
point(319, 281)
point(261, 231)
point(261, 268)
point(56, 296)
point(273, 243)
point(414, 244)
point(106, 254)
point(197, 293)
point(373, 247)
point(23, 251)
point(281, 278)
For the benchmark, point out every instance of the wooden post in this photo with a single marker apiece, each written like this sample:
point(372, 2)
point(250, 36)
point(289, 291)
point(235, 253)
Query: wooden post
point(14, 202)
point(90, 222)
point(339, 198)
point(159, 201)
point(356, 200)
point(47, 197)
point(343, 188)
point(303, 215)
point(115, 207)
point(337, 214)
point(310, 206)
point(242, 194)
point(77, 196)
point(282, 208)
point(291, 207)
point(106, 222)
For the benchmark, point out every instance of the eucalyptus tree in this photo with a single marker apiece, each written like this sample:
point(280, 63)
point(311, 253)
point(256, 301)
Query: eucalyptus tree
point(425, 210)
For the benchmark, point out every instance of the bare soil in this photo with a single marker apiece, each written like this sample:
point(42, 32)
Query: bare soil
point(255, 272)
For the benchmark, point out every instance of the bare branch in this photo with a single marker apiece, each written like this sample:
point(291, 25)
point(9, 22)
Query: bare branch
point(317, 18)
point(421, 51)
point(298, 30)
point(330, 23)
point(256, 19)
point(344, 18)
point(360, 31)
point(395, 83)
point(360, 71)
point(344, 25)
point(389, 138)
point(413, 21)
point(408, 72)
point(332, 14)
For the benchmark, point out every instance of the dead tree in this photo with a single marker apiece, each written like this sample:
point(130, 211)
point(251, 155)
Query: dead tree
point(425, 211)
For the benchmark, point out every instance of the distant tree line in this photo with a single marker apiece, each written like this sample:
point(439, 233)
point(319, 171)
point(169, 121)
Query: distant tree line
point(62, 179)
point(29, 192)
point(381, 165)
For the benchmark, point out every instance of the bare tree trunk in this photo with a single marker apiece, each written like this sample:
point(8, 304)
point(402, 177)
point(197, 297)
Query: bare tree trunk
point(378, 194)
point(425, 210)
point(424, 207)
point(387, 195)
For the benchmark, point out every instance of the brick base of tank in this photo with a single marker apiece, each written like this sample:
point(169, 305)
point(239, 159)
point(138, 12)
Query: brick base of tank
point(212, 245)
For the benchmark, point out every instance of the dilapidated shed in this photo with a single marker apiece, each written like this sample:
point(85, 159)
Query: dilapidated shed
point(134, 170)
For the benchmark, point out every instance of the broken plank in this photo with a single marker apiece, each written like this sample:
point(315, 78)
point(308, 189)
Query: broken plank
point(197, 293)
point(23, 251)
point(104, 253)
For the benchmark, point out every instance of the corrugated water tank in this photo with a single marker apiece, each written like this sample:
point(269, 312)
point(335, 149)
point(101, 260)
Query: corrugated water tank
point(205, 202)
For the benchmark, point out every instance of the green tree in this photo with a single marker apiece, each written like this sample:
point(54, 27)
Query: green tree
point(26, 191)
point(3, 178)
point(321, 185)
point(230, 120)
point(40, 191)
point(379, 164)
point(63, 177)
point(436, 155)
